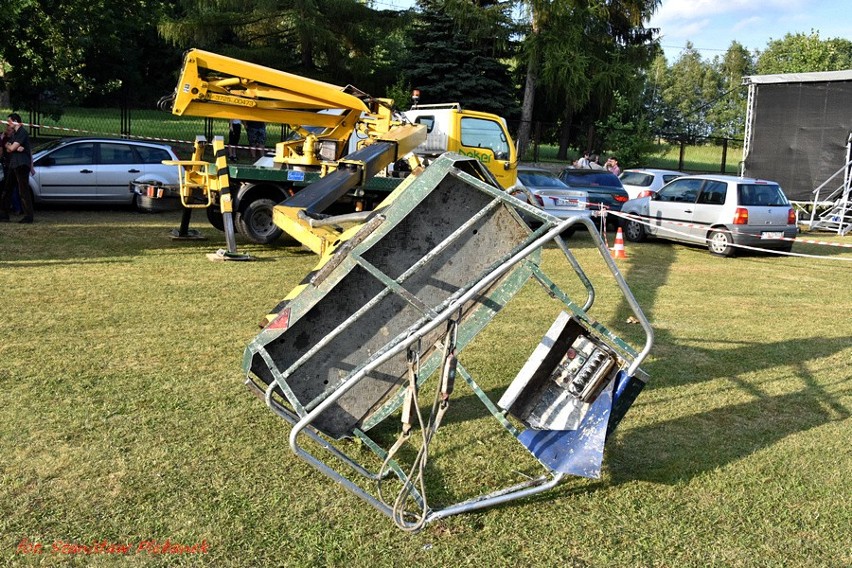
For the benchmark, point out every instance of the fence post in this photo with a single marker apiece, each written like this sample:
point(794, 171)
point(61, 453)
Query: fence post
point(35, 120)
point(724, 154)
point(682, 152)
point(208, 128)
point(537, 142)
point(125, 118)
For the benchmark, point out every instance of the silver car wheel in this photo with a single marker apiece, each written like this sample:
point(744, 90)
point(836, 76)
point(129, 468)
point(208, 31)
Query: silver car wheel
point(634, 231)
point(719, 243)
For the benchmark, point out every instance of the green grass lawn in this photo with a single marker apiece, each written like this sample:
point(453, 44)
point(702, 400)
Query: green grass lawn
point(124, 416)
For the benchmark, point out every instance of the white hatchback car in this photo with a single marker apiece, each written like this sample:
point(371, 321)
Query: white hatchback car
point(98, 170)
point(639, 180)
point(717, 211)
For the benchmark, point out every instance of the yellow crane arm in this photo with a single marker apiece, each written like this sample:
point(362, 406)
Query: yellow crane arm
point(217, 86)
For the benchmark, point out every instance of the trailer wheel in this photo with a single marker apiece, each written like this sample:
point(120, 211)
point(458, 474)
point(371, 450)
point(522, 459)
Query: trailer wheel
point(719, 243)
point(255, 222)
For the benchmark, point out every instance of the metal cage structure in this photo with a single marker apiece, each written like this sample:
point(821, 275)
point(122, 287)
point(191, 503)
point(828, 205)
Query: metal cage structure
point(398, 303)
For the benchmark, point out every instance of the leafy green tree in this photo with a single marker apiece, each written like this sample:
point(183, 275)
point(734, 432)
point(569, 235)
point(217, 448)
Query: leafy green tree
point(725, 116)
point(456, 46)
point(339, 41)
point(801, 53)
point(687, 89)
point(580, 52)
point(626, 134)
point(68, 51)
point(658, 114)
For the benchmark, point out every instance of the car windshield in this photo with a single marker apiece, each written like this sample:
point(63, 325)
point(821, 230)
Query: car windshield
point(604, 179)
point(636, 178)
point(540, 180)
point(49, 145)
point(760, 194)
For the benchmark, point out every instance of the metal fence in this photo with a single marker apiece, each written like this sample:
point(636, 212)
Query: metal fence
point(699, 155)
point(141, 124)
point(678, 152)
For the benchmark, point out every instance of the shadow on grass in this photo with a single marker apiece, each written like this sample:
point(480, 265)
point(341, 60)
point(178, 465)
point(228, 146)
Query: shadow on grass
point(676, 450)
point(94, 234)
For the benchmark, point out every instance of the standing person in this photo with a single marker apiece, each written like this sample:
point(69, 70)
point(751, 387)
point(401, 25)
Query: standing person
point(595, 162)
point(612, 165)
point(256, 133)
point(4, 155)
point(235, 128)
point(20, 165)
point(4, 160)
point(584, 161)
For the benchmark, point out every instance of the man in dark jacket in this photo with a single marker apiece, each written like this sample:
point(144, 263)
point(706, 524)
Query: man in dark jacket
point(19, 153)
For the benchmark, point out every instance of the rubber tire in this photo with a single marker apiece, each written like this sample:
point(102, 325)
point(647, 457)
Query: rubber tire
point(254, 222)
point(214, 215)
point(719, 243)
point(634, 231)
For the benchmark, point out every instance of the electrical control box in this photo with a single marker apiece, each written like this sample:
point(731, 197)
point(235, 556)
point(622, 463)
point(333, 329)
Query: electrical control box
point(562, 377)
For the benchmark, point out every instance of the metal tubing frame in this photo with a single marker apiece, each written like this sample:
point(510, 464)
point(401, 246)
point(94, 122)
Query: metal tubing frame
point(516, 492)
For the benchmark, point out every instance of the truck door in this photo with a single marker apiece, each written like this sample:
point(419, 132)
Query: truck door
point(488, 141)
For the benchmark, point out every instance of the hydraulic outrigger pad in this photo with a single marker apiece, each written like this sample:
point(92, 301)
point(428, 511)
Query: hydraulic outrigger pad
point(208, 179)
point(352, 347)
point(184, 233)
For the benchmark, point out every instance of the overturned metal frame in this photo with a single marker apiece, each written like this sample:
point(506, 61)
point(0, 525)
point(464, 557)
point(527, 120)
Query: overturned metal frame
point(350, 375)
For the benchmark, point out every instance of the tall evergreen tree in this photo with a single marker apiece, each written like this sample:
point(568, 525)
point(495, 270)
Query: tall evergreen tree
point(454, 55)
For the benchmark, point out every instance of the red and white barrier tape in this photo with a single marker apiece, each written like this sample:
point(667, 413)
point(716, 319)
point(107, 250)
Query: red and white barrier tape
point(643, 221)
point(80, 132)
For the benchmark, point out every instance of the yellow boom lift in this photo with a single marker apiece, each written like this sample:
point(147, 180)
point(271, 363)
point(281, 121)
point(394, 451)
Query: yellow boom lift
point(321, 166)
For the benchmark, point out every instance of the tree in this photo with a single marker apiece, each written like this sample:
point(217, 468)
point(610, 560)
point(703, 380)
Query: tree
point(339, 41)
point(627, 135)
point(726, 112)
point(800, 53)
point(581, 52)
point(687, 89)
point(456, 46)
point(70, 50)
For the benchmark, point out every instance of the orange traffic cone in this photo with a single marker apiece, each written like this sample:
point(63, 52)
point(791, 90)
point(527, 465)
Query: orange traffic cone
point(618, 251)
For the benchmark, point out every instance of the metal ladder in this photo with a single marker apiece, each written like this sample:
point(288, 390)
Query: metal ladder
point(838, 217)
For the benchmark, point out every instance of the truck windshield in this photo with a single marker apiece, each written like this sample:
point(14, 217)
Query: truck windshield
point(482, 133)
